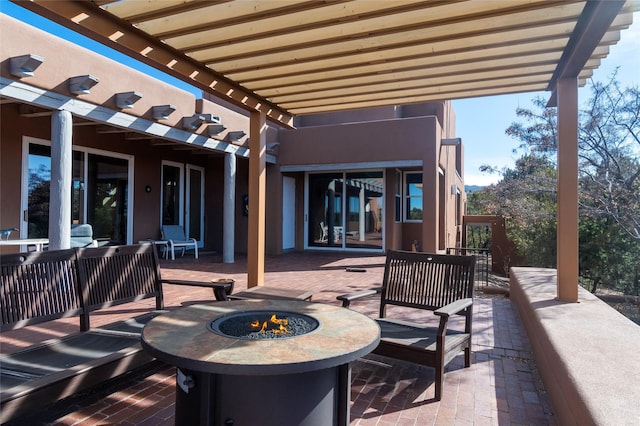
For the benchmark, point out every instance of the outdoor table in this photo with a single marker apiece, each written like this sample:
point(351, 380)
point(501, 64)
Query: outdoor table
point(38, 243)
point(164, 245)
point(263, 292)
point(301, 380)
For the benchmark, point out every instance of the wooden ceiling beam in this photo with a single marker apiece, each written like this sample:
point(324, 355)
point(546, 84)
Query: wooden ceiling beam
point(253, 68)
point(420, 71)
point(416, 91)
point(333, 42)
point(250, 20)
point(419, 84)
point(419, 99)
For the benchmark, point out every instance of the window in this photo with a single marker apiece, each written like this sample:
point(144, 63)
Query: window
point(345, 210)
point(172, 179)
point(100, 192)
point(398, 199)
point(413, 196)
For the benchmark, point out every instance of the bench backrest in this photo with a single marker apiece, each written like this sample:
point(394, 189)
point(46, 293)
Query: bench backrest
point(426, 281)
point(37, 287)
point(119, 274)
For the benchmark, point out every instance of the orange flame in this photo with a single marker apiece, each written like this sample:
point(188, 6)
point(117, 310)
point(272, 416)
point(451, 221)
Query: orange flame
point(280, 323)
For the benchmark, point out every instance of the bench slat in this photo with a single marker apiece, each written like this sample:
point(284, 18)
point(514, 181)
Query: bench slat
point(37, 287)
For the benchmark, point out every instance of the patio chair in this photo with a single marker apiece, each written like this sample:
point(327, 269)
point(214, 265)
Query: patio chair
point(324, 231)
point(82, 236)
point(176, 238)
point(442, 284)
point(4, 233)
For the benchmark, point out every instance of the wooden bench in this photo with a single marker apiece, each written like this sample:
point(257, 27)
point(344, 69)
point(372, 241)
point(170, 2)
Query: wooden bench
point(43, 286)
point(439, 283)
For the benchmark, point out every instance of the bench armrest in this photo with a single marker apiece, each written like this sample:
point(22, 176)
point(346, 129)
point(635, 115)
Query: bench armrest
point(347, 298)
point(454, 307)
point(220, 290)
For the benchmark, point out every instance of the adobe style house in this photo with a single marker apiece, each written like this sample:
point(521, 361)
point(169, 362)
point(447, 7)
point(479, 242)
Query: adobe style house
point(145, 153)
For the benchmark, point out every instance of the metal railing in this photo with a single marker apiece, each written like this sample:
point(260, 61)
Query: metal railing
point(483, 261)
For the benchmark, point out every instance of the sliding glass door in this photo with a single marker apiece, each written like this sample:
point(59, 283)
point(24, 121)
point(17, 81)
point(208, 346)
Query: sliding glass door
point(195, 204)
point(345, 210)
point(99, 193)
point(183, 198)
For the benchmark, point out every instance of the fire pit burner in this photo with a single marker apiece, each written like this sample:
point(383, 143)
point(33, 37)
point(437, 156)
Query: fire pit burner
point(257, 325)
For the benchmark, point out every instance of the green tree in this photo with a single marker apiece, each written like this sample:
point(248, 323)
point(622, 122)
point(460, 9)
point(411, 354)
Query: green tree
point(609, 184)
point(609, 155)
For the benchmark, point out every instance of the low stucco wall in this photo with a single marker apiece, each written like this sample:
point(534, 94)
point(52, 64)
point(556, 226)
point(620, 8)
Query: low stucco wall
point(588, 354)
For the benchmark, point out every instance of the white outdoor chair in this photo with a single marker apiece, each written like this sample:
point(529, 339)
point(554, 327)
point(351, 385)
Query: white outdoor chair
point(324, 231)
point(82, 236)
point(176, 238)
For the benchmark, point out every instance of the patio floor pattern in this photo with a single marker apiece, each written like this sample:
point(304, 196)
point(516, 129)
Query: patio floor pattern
point(502, 387)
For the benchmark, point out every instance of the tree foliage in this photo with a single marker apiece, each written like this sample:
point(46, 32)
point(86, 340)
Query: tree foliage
point(609, 185)
point(609, 156)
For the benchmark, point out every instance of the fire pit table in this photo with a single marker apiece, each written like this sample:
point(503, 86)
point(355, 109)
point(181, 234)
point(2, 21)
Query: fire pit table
point(261, 362)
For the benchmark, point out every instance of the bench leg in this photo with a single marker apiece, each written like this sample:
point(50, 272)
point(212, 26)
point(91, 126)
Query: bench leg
point(467, 356)
point(438, 382)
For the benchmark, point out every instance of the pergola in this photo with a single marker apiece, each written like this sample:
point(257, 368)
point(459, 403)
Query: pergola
point(278, 59)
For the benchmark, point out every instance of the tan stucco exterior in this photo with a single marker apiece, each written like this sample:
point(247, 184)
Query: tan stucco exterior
point(390, 139)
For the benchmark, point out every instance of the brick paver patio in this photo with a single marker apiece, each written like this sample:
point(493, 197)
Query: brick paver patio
point(501, 387)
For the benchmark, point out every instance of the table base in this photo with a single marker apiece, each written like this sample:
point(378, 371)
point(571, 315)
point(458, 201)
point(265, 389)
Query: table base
point(320, 397)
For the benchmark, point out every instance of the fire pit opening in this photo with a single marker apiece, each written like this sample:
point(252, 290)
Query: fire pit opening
point(258, 325)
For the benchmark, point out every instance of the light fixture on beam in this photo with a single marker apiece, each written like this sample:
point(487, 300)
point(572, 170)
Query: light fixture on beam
point(236, 135)
point(273, 148)
point(162, 112)
point(125, 100)
point(24, 65)
point(193, 122)
point(210, 118)
point(451, 141)
point(82, 84)
point(216, 129)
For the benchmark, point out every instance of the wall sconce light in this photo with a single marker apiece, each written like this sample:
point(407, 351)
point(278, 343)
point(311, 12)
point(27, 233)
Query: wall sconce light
point(236, 135)
point(81, 84)
point(193, 122)
point(273, 148)
point(162, 112)
point(210, 118)
point(216, 129)
point(126, 100)
point(24, 65)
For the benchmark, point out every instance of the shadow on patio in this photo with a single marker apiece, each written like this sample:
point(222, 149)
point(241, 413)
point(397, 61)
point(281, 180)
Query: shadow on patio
point(502, 387)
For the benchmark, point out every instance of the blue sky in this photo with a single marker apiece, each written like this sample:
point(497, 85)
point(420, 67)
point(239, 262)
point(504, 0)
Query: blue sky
point(480, 122)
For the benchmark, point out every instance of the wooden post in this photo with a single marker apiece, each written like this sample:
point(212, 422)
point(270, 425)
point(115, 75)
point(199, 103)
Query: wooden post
point(60, 190)
point(257, 193)
point(567, 216)
point(228, 207)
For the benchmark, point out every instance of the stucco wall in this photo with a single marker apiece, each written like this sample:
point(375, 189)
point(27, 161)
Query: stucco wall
point(396, 140)
point(386, 140)
point(63, 59)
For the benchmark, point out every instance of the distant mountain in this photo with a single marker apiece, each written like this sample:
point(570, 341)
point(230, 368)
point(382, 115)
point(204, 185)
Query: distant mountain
point(473, 188)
